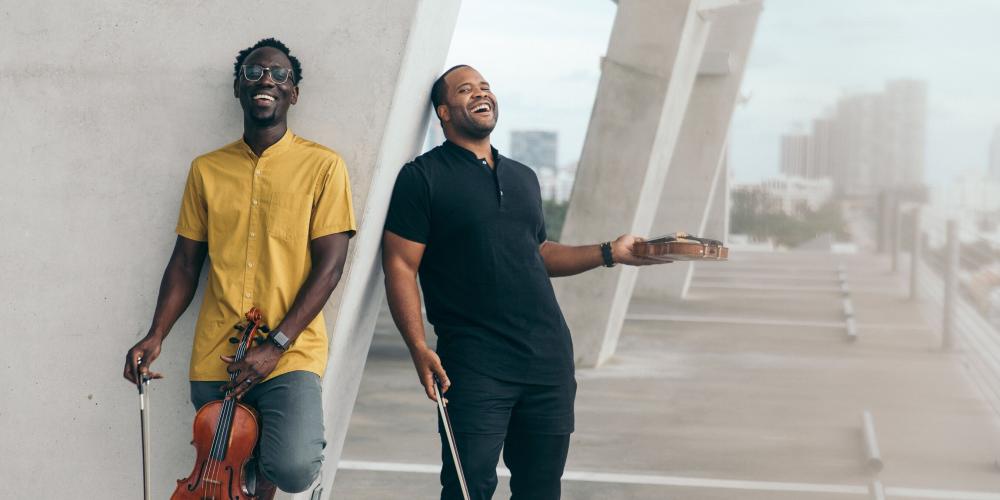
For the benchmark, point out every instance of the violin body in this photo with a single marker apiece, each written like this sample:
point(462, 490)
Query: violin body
point(225, 434)
point(214, 479)
point(681, 246)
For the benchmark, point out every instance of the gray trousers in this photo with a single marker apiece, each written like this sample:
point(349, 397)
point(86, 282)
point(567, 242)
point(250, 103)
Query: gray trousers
point(290, 448)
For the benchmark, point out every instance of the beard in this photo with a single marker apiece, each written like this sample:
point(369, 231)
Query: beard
point(468, 125)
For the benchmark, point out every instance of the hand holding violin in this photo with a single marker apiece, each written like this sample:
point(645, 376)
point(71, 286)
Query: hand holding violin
point(622, 252)
point(256, 366)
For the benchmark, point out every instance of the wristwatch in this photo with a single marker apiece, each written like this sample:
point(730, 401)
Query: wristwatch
point(606, 254)
point(278, 338)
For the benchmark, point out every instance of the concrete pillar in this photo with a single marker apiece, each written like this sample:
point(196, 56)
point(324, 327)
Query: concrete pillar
point(109, 103)
point(650, 68)
point(351, 319)
point(697, 166)
point(717, 223)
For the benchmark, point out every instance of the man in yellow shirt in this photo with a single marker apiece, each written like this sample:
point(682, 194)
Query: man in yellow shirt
point(274, 213)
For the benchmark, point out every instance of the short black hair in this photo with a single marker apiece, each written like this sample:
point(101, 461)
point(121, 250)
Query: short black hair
point(437, 90)
point(273, 43)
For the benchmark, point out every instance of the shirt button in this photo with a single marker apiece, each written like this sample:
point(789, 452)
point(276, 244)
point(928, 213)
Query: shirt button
point(484, 162)
point(249, 264)
point(252, 234)
point(254, 201)
point(257, 172)
point(247, 295)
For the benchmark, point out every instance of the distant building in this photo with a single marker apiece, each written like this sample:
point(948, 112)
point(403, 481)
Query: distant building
point(537, 149)
point(534, 148)
point(869, 141)
point(797, 194)
point(795, 155)
point(995, 155)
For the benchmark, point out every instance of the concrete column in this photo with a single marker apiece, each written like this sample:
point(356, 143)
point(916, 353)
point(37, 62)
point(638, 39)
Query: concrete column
point(650, 68)
point(109, 103)
point(351, 320)
point(697, 166)
point(717, 225)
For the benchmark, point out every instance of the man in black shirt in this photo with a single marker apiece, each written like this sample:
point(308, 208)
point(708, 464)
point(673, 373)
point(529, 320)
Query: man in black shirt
point(469, 221)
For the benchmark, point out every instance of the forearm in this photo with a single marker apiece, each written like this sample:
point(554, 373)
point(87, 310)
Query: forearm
point(566, 260)
point(312, 297)
point(403, 296)
point(177, 289)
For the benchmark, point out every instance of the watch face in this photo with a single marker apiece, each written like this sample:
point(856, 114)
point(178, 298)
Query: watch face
point(280, 339)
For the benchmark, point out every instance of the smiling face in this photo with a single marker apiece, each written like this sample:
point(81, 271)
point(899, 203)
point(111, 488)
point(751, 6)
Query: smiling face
point(469, 107)
point(264, 101)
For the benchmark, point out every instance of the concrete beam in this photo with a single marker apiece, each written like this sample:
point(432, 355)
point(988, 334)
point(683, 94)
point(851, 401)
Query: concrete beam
point(717, 222)
point(716, 63)
point(101, 134)
point(698, 165)
point(651, 65)
point(351, 320)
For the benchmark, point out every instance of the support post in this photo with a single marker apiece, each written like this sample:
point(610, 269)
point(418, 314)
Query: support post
point(696, 179)
point(951, 268)
point(896, 233)
point(916, 254)
point(650, 68)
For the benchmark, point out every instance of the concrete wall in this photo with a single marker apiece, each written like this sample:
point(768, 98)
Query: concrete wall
point(106, 105)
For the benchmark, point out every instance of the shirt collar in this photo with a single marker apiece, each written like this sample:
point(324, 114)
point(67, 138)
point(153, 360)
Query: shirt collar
point(274, 149)
point(469, 155)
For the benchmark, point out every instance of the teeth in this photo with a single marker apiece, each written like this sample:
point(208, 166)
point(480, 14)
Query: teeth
point(263, 96)
point(481, 107)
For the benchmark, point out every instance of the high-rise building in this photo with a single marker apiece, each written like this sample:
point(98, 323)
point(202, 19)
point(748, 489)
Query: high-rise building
point(534, 148)
point(995, 155)
point(904, 118)
point(869, 142)
point(537, 149)
point(795, 155)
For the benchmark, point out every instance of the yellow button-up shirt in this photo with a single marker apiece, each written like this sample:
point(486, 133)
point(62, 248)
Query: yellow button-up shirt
point(258, 215)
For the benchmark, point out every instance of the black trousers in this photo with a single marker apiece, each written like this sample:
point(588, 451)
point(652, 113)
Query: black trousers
point(530, 424)
point(535, 461)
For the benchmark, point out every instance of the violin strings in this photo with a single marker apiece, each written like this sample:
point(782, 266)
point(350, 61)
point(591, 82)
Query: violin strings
point(225, 415)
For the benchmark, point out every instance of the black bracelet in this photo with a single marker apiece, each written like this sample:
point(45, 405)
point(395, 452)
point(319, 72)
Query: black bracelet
point(606, 253)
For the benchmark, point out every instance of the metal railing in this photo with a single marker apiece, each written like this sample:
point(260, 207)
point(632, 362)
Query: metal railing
point(946, 257)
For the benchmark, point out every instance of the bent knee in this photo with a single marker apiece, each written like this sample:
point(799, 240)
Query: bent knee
point(293, 476)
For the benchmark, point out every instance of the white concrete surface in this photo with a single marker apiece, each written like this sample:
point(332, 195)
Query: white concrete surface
point(107, 103)
point(651, 64)
point(697, 167)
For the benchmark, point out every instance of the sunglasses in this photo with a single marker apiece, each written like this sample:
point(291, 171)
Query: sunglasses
point(254, 72)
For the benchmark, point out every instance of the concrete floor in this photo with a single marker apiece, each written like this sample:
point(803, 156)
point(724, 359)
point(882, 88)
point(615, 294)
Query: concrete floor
point(746, 387)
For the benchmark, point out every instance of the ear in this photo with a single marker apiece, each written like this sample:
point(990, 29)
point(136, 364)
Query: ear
point(295, 95)
point(236, 88)
point(443, 113)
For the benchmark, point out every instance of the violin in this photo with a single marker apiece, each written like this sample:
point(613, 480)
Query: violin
point(681, 246)
point(225, 434)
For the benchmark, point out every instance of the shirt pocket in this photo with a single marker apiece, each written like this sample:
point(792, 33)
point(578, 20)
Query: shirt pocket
point(288, 215)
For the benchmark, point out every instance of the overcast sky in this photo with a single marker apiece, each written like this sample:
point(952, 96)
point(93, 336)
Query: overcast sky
point(542, 58)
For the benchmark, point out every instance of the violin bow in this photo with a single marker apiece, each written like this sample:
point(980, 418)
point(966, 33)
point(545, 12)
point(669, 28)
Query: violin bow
point(451, 440)
point(144, 425)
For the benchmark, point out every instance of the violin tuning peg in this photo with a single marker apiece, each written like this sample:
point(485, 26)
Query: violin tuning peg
point(259, 340)
point(234, 340)
point(264, 329)
point(238, 327)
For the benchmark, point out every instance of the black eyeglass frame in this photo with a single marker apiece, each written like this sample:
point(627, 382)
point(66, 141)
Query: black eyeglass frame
point(266, 70)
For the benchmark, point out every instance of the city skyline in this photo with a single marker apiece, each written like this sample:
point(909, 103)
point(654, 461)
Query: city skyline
point(806, 55)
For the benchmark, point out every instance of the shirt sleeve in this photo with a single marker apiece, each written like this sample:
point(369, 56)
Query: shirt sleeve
point(410, 207)
point(333, 209)
point(192, 223)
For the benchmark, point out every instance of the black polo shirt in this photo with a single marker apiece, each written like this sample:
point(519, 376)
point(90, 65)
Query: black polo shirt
point(485, 286)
